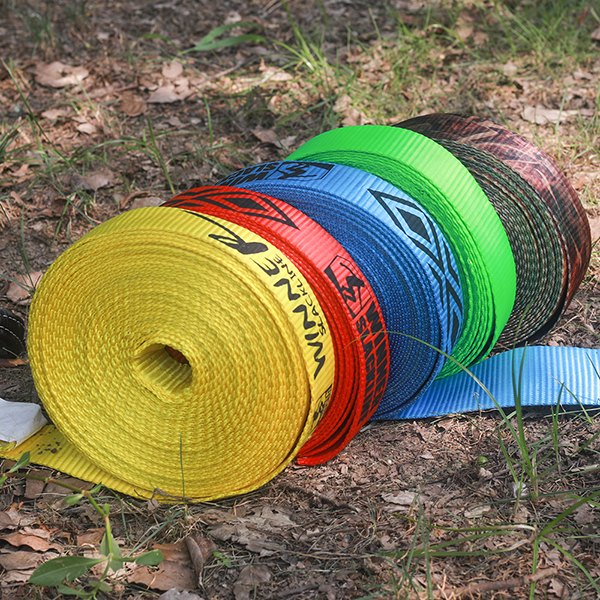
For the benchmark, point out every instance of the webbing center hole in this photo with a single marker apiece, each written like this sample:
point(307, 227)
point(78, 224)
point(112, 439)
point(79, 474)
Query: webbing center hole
point(163, 366)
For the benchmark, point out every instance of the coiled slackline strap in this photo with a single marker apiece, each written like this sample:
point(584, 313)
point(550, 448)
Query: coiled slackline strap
point(396, 244)
point(542, 376)
point(449, 193)
point(553, 220)
point(349, 302)
point(108, 325)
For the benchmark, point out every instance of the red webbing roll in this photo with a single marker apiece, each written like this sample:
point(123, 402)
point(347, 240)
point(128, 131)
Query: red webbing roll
point(349, 303)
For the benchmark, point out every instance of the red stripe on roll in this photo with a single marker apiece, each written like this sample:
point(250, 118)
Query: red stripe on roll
point(349, 303)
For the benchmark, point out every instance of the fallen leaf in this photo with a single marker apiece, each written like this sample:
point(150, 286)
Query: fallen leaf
point(22, 286)
point(142, 201)
point(11, 519)
point(21, 171)
point(402, 498)
point(21, 560)
point(557, 587)
point(57, 74)
point(584, 514)
point(477, 511)
point(248, 579)
point(596, 34)
point(268, 136)
point(542, 116)
point(169, 94)
point(595, 227)
point(34, 487)
point(94, 181)
point(55, 113)
point(87, 128)
point(177, 552)
point(175, 121)
point(168, 575)
point(13, 362)
point(510, 69)
point(16, 576)
point(35, 542)
point(175, 594)
point(172, 70)
point(133, 107)
point(90, 538)
point(201, 549)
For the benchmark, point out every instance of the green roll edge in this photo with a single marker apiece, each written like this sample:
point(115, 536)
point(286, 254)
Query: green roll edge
point(434, 178)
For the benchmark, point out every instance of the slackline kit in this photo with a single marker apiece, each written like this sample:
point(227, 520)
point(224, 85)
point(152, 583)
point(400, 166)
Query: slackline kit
point(195, 349)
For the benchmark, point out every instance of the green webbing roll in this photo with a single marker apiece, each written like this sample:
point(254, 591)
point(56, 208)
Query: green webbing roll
point(444, 187)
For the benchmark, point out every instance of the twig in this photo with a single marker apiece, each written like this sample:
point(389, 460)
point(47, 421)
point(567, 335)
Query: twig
point(477, 588)
point(321, 497)
point(298, 590)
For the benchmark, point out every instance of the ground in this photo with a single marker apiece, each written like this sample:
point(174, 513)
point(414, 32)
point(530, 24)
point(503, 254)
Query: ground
point(423, 509)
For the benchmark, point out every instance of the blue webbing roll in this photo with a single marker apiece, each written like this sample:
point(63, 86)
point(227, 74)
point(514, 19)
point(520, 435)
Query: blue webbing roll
point(549, 375)
point(398, 247)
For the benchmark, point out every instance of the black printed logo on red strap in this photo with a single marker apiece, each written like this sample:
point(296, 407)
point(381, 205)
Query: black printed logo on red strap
point(241, 201)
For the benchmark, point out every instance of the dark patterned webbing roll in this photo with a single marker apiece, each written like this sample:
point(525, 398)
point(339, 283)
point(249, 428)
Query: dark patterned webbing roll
point(538, 206)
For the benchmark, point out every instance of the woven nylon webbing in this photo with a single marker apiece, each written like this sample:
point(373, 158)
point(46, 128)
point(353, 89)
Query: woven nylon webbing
point(396, 245)
point(449, 193)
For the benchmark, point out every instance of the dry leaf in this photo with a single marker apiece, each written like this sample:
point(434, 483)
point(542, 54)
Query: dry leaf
point(248, 579)
point(21, 560)
point(168, 94)
point(177, 552)
point(90, 538)
point(168, 575)
point(57, 74)
point(87, 128)
point(201, 549)
point(13, 362)
point(596, 34)
point(11, 519)
point(19, 290)
point(510, 69)
point(142, 201)
point(541, 116)
point(133, 107)
point(557, 587)
point(175, 594)
point(402, 498)
point(595, 227)
point(172, 70)
point(34, 541)
point(55, 113)
point(21, 171)
point(478, 511)
point(94, 181)
point(268, 136)
point(584, 514)
point(34, 487)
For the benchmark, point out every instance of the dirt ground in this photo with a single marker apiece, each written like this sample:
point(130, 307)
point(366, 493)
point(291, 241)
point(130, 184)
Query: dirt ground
point(408, 509)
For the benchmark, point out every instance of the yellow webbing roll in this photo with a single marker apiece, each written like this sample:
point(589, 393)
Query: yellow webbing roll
point(169, 360)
